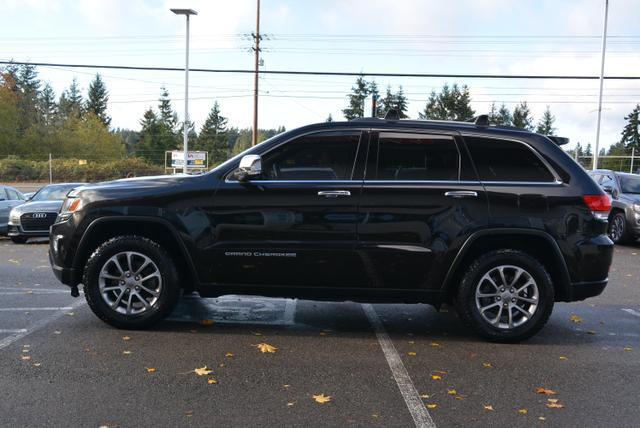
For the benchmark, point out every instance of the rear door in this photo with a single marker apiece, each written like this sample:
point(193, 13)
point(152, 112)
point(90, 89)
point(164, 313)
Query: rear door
point(295, 225)
point(420, 198)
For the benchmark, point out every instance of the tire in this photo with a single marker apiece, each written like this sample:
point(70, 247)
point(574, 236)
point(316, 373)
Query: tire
point(540, 296)
point(110, 278)
point(618, 231)
point(19, 239)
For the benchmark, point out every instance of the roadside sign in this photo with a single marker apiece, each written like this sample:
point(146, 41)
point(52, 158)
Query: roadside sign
point(195, 160)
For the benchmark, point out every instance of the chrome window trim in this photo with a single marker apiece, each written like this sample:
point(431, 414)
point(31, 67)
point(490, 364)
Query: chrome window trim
point(317, 131)
point(553, 172)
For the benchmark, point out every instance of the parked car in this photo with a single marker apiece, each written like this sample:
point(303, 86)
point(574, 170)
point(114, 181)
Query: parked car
point(624, 188)
point(9, 198)
point(497, 221)
point(34, 217)
point(29, 195)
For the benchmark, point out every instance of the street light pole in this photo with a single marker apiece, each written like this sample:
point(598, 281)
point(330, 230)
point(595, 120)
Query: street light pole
point(185, 144)
point(254, 136)
point(604, 47)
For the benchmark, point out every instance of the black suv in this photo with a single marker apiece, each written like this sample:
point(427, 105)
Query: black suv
point(499, 222)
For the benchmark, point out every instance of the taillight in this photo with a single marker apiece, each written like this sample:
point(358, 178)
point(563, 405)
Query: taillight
point(600, 205)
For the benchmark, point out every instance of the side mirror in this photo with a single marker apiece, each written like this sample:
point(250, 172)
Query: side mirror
point(250, 167)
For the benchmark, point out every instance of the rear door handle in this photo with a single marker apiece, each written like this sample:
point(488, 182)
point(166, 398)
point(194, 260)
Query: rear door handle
point(334, 193)
point(458, 194)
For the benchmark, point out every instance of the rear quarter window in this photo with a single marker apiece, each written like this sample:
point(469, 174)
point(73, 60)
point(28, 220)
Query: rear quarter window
point(505, 160)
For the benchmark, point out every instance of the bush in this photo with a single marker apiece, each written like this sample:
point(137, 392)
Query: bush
point(15, 169)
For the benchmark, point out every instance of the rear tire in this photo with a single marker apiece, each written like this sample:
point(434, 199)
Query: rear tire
point(19, 239)
point(131, 282)
point(505, 296)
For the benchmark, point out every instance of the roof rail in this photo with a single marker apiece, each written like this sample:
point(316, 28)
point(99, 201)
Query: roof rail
point(560, 141)
point(392, 114)
point(480, 120)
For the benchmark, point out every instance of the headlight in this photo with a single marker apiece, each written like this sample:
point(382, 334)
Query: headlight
point(636, 208)
point(69, 206)
point(14, 217)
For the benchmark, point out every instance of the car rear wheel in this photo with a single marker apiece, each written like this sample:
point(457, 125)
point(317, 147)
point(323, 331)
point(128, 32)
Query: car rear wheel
point(131, 282)
point(505, 296)
point(618, 228)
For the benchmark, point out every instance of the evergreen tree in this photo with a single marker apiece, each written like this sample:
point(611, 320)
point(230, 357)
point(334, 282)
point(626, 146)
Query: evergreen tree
point(167, 115)
point(401, 103)
point(388, 101)
point(493, 114)
point(97, 100)
point(358, 94)
point(150, 146)
point(213, 136)
point(631, 131)
point(522, 117)
point(329, 118)
point(587, 150)
point(452, 103)
point(373, 91)
point(71, 102)
point(545, 125)
point(28, 87)
point(47, 105)
point(504, 116)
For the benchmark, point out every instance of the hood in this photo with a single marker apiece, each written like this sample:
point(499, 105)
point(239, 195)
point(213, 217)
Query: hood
point(38, 206)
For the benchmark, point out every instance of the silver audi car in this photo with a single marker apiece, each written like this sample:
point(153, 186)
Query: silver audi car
point(33, 218)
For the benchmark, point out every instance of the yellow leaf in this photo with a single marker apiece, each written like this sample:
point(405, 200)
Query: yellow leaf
point(488, 407)
point(285, 385)
point(202, 371)
point(542, 418)
point(545, 391)
point(291, 403)
point(126, 352)
point(432, 406)
point(25, 351)
point(37, 364)
point(206, 323)
point(411, 354)
point(228, 354)
point(412, 342)
point(562, 357)
point(266, 348)
point(375, 416)
point(70, 314)
point(323, 333)
point(256, 333)
point(576, 319)
point(523, 411)
point(126, 338)
point(14, 261)
point(211, 381)
point(440, 371)
point(435, 344)
point(436, 377)
point(451, 391)
point(487, 365)
point(553, 400)
point(151, 369)
point(628, 349)
point(25, 357)
point(424, 396)
point(555, 406)
point(321, 398)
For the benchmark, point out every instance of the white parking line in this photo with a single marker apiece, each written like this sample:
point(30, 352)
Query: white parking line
point(419, 412)
point(632, 312)
point(37, 325)
point(13, 330)
point(23, 289)
point(49, 308)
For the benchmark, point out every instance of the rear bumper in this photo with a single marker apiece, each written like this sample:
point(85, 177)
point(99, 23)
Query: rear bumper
point(584, 290)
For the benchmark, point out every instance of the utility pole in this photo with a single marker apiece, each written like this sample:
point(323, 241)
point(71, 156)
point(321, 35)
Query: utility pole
point(257, 37)
point(604, 47)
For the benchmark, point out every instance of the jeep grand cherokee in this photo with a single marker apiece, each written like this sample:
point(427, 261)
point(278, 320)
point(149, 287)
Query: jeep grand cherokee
point(498, 222)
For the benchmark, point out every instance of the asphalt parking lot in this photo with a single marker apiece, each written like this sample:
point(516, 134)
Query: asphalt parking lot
point(381, 365)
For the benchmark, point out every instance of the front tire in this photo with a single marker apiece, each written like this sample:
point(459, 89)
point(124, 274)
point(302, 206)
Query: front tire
point(505, 296)
point(130, 282)
point(618, 231)
point(19, 239)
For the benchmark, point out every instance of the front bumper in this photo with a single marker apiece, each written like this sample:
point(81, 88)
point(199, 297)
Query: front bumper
point(14, 230)
point(67, 276)
point(584, 290)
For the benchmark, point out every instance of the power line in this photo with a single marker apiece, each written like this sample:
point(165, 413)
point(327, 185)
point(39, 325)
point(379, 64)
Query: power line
point(327, 73)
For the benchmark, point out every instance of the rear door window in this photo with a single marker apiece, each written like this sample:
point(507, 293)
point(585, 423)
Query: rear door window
point(505, 160)
point(419, 157)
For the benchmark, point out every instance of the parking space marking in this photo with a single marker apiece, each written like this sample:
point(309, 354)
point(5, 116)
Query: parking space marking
point(23, 289)
point(13, 330)
point(49, 308)
point(419, 412)
point(632, 312)
point(23, 292)
point(37, 325)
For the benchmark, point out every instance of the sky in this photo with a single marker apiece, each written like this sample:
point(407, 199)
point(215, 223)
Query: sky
point(412, 36)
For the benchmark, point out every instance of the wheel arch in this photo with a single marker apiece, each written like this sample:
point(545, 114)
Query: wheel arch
point(157, 229)
point(538, 244)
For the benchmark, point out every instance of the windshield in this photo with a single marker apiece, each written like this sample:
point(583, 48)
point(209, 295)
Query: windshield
point(53, 193)
point(629, 184)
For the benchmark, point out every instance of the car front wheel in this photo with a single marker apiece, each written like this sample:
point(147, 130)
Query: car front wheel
point(130, 282)
point(618, 228)
point(19, 239)
point(505, 296)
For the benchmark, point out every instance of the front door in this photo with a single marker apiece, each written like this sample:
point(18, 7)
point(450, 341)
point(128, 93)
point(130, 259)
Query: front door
point(420, 196)
point(296, 224)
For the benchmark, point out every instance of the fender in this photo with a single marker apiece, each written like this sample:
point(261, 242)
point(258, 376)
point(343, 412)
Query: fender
point(157, 220)
point(564, 287)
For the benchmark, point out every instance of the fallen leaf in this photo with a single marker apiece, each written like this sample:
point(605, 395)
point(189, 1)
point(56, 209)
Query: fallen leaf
point(553, 400)
point(151, 369)
point(432, 406)
point(435, 344)
point(37, 364)
point(542, 418)
point(487, 365)
point(562, 357)
point(488, 407)
point(228, 354)
point(291, 403)
point(451, 391)
point(436, 377)
point(70, 314)
point(13, 261)
point(25, 351)
point(322, 333)
point(206, 323)
point(126, 338)
point(256, 333)
point(212, 381)
point(440, 371)
point(57, 332)
point(29, 292)
point(375, 415)
point(266, 348)
point(628, 349)
point(545, 391)
point(411, 354)
point(25, 357)
point(555, 406)
point(592, 332)
point(411, 342)
point(202, 371)
point(424, 396)
point(188, 413)
point(523, 411)
point(286, 385)
point(576, 319)
point(321, 398)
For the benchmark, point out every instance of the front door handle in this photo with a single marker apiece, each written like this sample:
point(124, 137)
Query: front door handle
point(458, 194)
point(334, 193)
